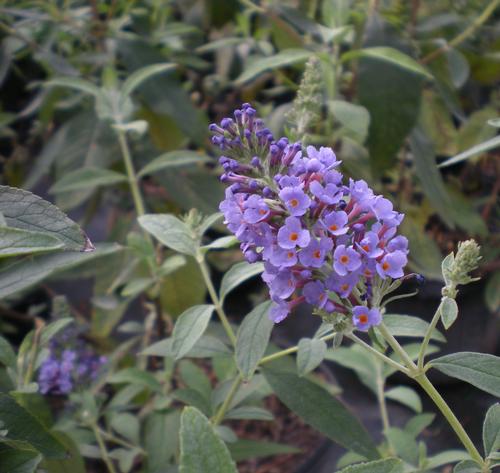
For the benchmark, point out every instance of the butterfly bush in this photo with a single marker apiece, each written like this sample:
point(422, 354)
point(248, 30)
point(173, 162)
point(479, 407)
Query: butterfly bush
point(325, 240)
point(70, 364)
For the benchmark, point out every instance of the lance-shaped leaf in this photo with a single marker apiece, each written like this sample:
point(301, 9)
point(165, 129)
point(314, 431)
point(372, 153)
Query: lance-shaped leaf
point(170, 231)
point(28, 272)
point(87, 178)
point(16, 242)
point(321, 410)
point(409, 326)
point(140, 75)
point(74, 83)
point(202, 450)
point(26, 211)
point(172, 159)
point(390, 55)
point(311, 353)
point(491, 430)
point(283, 58)
point(189, 328)
point(23, 426)
point(389, 465)
point(238, 273)
point(479, 369)
point(252, 339)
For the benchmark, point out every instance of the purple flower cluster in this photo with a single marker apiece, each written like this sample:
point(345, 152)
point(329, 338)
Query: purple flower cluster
point(322, 240)
point(70, 364)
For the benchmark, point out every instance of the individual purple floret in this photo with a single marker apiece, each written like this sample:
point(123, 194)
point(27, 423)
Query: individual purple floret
point(70, 365)
point(324, 241)
point(363, 318)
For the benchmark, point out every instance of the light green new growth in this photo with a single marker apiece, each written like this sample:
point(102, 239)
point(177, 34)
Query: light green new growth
point(306, 108)
point(466, 260)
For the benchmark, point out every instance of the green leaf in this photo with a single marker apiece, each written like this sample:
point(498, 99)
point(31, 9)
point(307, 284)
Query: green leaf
point(140, 75)
point(311, 353)
point(173, 159)
point(479, 369)
point(467, 466)
point(170, 231)
point(237, 274)
point(183, 289)
point(74, 83)
point(249, 449)
point(189, 328)
point(13, 460)
point(419, 423)
point(286, 57)
point(250, 413)
point(87, 178)
point(195, 378)
point(491, 430)
point(201, 447)
point(409, 326)
point(158, 427)
point(207, 346)
point(390, 55)
point(136, 377)
point(252, 339)
point(403, 444)
point(73, 462)
point(406, 396)
point(321, 410)
point(389, 465)
point(474, 151)
point(26, 211)
point(194, 398)
point(449, 312)
point(126, 425)
point(16, 242)
point(354, 118)
point(390, 93)
point(222, 243)
point(446, 457)
point(491, 293)
point(7, 355)
point(26, 273)
point(52, 329)
point(22, 426)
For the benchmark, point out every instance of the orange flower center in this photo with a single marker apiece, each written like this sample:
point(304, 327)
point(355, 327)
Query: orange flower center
point(365, 247)
point(290, 254)
point(367, 273)
point(317, 254)
point(385, 266)
point(363, 318)
point(294, 202)
point(333, 227)
point(344, 259)
point(262, 212)
point(294, 236)
point(344, 287)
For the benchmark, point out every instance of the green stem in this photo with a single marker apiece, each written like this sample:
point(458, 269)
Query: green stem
point(227, 402)
point(378, 354)
point(381, 399)
point(117, 440)
point(455, 424)
point(215, 298)
point(289, 351)
point(427, 337)
point(412, 367)
point(488, 11)
point(104, 452)
point(132, 177)
point(33, 354)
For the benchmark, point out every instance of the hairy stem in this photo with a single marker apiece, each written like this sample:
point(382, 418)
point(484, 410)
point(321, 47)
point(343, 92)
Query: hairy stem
point(378, 354)
point(427, 337)
point(394, 344)
point(215, 298)
point(455, 424)
point(102, 447)
point(487, 12)
point(289, 351)
point(132, 177)
point(227, 402)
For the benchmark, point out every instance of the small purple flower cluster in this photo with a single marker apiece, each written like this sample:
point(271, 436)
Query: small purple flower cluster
point(322, 241)
point(70, 364)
